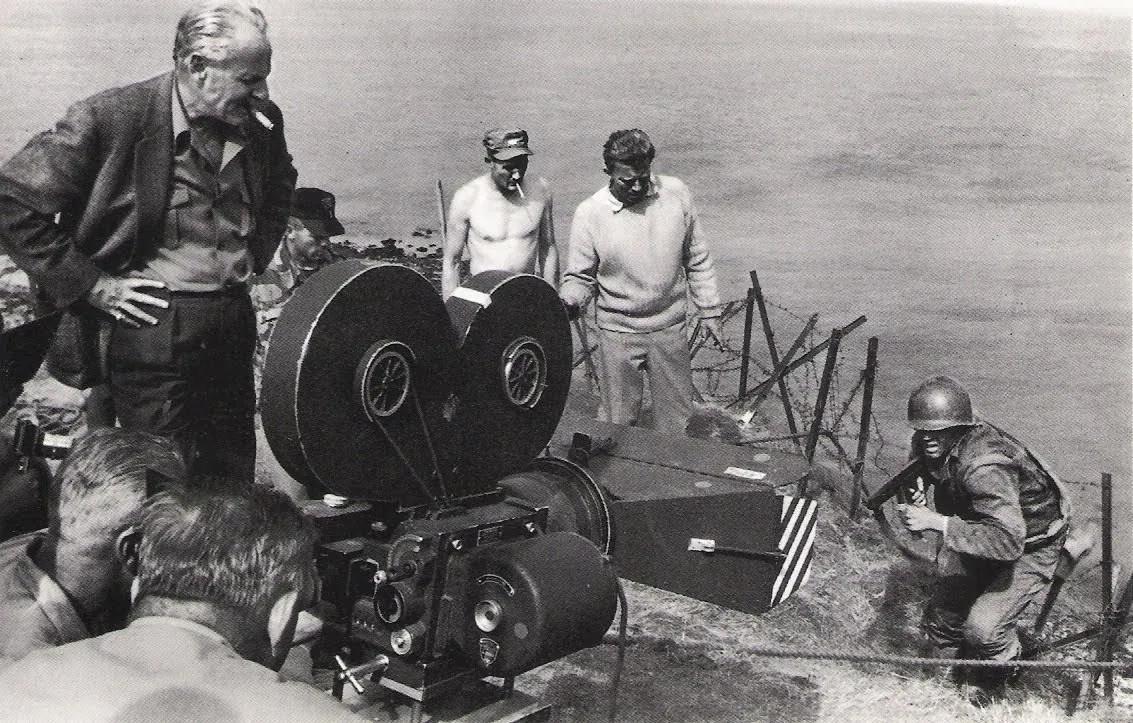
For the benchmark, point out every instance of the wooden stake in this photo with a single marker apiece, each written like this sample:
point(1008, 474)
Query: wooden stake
point(773, 351)
point(442, 212)
point(823, 391)
point(868, 375)
point(745, 357)
point(784, 364)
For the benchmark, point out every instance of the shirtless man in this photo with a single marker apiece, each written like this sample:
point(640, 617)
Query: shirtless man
point(502, 218)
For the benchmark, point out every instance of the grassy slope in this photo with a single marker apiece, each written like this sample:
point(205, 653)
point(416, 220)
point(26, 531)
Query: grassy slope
point(694, 661)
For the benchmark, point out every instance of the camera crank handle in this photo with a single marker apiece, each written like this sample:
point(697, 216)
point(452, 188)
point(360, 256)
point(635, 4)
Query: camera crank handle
point(347, 674)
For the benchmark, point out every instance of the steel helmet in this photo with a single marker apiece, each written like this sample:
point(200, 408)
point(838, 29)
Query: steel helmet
point(940, 403)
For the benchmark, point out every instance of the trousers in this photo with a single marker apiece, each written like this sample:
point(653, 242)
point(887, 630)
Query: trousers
point(189, 378)
point(626, 359)
point(976, 602)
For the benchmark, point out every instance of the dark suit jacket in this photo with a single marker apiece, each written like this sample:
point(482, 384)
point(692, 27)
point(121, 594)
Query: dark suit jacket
point(91, 194)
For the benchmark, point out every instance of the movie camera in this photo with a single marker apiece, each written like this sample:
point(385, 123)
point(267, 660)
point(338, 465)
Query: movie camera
point(415, 424)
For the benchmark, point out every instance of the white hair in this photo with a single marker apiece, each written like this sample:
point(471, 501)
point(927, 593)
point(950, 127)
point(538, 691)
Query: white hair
point(208, 26)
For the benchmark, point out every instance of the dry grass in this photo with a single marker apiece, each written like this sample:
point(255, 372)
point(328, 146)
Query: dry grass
point(694, 661)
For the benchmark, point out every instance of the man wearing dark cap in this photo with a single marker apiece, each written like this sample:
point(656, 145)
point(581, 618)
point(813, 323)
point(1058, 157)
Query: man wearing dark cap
point(501, 217)
point(304, 249)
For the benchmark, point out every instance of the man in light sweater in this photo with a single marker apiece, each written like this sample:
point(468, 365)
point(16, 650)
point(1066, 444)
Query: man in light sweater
point(636, 244)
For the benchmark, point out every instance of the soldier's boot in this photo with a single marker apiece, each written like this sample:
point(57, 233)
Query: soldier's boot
point(947, 675)
point(987, 686)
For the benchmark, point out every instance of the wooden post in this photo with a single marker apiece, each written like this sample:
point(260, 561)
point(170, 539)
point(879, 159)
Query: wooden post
point(1106, 649)
point(442, 212)
point(773, 352)
point(1104, 643)
point(812, 353)
point(868, 375)
point(823, 391)
point(784, 364)
point(745, 357)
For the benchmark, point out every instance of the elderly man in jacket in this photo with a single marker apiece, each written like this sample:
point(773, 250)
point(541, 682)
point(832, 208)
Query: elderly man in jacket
point(143, 213)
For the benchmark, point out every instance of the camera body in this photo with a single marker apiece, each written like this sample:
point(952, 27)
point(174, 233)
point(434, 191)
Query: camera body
point(483, 591)
point(425, 419)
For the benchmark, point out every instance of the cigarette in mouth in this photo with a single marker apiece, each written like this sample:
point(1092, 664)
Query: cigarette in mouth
point(263, 120)
point(519, 190)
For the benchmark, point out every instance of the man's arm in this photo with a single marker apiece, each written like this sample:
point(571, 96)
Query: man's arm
point(456, 238)
point(548, 251)
point(997, 529)
point(580, 278)
point(279, 185)
point(50, 175)
point(700, 270)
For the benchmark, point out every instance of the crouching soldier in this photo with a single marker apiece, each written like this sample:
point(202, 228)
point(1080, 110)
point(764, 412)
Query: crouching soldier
point(1002, 515)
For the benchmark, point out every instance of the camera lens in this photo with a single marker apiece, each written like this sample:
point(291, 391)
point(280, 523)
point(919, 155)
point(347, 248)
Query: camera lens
point(488, 614)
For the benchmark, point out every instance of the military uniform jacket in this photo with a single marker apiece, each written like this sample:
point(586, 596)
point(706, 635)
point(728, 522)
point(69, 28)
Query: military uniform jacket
point(1000, 497)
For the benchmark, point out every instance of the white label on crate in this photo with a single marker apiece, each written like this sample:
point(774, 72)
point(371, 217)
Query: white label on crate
point(744, 473)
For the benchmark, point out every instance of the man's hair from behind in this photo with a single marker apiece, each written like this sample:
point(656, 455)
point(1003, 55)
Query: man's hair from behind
point(207, 27)
point(236, 545)
point(100, 486)
point(631, 147)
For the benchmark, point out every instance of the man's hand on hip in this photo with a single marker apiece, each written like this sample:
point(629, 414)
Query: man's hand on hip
point(120, 297)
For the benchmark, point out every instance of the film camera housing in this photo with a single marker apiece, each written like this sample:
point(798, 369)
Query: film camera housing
point(421, 421)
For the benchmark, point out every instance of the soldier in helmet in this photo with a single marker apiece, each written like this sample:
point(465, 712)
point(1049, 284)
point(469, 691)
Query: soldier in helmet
point(1002, 515)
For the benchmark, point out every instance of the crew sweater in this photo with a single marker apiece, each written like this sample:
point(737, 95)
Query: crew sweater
point(642, 261)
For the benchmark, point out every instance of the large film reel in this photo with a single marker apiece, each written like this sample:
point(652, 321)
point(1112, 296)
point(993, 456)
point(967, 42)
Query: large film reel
point(358, 377)
point(515, 366)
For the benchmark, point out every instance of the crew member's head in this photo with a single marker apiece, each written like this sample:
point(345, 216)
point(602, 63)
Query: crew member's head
point(507, 151)
point(311, 225)
point(222, 59)
point(94, 504)
point(238, 558)
point(940, 413)
point(628, 156)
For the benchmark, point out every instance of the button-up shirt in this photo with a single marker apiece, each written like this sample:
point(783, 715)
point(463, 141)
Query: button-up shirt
point(209, 218)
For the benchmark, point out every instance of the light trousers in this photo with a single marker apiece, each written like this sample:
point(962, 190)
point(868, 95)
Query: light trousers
point(626, 359)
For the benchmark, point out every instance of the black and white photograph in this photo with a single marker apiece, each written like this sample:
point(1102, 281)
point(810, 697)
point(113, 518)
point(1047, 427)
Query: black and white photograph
point(487, 361)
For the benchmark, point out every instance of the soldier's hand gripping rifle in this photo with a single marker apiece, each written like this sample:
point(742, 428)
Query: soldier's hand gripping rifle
point(903, 484)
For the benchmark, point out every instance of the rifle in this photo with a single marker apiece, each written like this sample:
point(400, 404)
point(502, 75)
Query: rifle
point(900, 486)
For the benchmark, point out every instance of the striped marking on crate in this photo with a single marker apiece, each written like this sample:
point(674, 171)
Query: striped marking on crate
point(799, 517)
